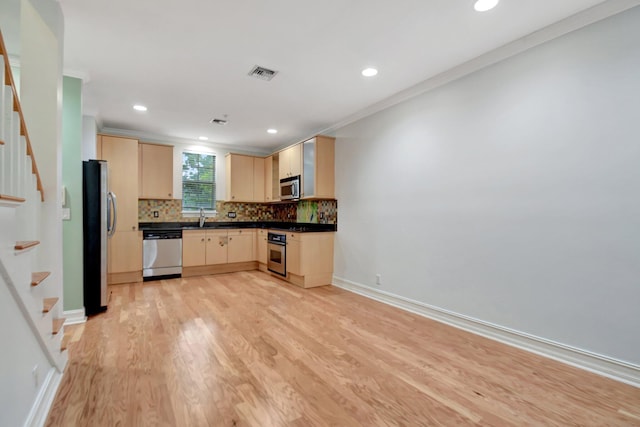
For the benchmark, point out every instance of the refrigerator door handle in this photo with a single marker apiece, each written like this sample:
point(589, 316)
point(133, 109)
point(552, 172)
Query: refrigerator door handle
point(112, 213)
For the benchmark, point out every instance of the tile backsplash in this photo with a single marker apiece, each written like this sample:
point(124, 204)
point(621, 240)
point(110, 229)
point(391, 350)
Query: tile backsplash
point(308, 211)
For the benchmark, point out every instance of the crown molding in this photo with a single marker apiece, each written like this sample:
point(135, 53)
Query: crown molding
point(572, 23)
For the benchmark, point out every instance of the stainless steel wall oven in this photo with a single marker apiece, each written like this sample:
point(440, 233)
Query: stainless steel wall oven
point(277, 253)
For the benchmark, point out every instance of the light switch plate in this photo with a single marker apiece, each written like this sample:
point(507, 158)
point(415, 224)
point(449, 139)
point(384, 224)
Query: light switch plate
point(231, 214)
point(66, 214)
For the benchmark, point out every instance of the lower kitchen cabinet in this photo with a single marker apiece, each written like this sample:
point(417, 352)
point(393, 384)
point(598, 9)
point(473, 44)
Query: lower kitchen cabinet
point(217, 251)
point(310, 259)
point(241, 246)
point(193, 248)
point(124, 250)
point(261, 249)
point(216, 247)
point(309, 256)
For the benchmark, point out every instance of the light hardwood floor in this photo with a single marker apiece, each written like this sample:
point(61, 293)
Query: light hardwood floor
point(246, 349)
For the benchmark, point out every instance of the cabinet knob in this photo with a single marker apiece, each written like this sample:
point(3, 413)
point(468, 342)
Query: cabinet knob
point(202, 239)
point(209, 239)
point(133, 227)
point(230, 238)
point(169, 194)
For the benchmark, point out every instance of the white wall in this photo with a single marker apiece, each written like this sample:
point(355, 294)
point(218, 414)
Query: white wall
point(89, 131)
point(512, 195)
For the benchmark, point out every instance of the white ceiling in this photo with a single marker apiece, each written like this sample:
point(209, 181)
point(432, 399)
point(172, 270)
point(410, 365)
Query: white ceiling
point(188, 60)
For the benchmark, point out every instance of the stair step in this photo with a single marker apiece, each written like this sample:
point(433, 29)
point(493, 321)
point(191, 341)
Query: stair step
point(26, 244)
point(11, 201)
point(57, 325)
point(8, 198)
point(48, 303)
point(37, 278)
point(65, 343)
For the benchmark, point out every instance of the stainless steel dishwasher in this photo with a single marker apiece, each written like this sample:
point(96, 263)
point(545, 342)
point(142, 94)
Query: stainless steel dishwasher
point(161, 254)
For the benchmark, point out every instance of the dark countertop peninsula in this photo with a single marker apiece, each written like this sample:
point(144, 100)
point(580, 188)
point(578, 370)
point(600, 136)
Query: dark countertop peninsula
point(299, 227)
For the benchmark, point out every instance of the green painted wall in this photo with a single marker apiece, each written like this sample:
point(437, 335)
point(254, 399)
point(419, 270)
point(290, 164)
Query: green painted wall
point(72, 180)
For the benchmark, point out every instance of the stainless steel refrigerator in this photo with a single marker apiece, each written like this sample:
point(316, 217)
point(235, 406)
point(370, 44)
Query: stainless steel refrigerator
point(99, 223)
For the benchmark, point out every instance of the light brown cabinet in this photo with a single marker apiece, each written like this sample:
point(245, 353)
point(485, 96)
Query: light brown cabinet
point(204, 247)
point(125, 246)
point(217, 247)
point(193, 248)
point(258, 179)
point(261, 248)
point(271, 181)
point(245, 178)
point(156, 171)
point(310, 259)
point(240, 248)
point(318, 169)
point(290, 161)
point(239, 178)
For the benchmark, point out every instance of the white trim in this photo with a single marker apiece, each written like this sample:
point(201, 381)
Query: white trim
point(40, 409)
point(572, 23)
point(73, 317)
point(602, 365)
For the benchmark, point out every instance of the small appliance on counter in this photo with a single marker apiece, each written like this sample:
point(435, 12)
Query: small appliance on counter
point(290, 188)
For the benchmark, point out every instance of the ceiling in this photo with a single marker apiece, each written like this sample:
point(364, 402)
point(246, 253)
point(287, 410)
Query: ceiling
point(188, 61)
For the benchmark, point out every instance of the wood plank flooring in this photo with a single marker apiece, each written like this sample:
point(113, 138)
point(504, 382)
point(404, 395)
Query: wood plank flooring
point(247, 349)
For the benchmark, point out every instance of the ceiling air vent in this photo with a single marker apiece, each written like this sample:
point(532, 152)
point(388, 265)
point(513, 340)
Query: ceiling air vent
point(262, 73)
point(219, 121)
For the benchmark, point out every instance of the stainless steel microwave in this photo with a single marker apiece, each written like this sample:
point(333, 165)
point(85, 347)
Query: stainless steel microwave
point(290, 188)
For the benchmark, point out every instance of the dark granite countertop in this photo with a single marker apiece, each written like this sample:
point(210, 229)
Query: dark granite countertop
point(285, 226)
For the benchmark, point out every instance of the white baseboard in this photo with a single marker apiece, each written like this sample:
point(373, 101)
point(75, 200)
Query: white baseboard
point(40, 409)
point(615, 369)
point(73, 317)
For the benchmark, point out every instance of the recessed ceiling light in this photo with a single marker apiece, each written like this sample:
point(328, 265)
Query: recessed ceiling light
point(484, 5)
point(139, 107)
point(272, 131)
point(203, 138)
point(369, 72)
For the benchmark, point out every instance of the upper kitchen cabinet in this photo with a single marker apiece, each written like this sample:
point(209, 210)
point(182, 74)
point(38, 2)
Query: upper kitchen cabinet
point(245, 178)
point(156, 171)
point(318, 176)
point(271, 179)
point(125, 246)
point(121, 155)
point(290, 161)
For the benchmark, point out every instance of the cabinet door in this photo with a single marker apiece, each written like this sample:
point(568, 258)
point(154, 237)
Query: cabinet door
point(258, 179)
point(283, 164)
point(239, 178)
point(268, 179)
point(216, 247)
point(193, 248)
point(121, 155)
point(293, 255)
point(156, 171)
point(325, 167)
point(241, 246)
point(261, 242)
point(124, 251)
point(295, 160)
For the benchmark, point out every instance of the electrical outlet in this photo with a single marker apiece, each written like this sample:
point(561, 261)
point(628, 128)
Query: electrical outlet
point(231, 214)
point(378, 279)
point(321, 215)
point(156, 214)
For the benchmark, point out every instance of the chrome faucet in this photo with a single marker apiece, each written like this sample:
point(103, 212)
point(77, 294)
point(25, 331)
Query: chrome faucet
point(202, 217)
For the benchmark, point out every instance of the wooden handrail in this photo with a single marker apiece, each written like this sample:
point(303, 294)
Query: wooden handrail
point(18, 108)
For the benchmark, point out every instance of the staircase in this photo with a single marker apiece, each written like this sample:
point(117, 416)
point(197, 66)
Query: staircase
point(37, 295)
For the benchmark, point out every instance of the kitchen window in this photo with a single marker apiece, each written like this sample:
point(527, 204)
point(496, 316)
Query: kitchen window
point(198, 181)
